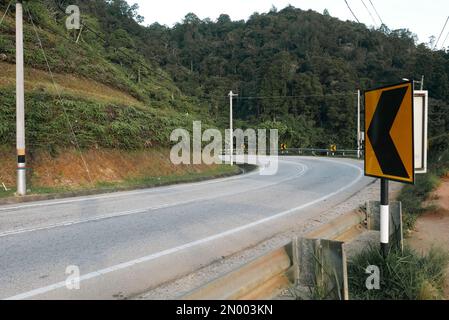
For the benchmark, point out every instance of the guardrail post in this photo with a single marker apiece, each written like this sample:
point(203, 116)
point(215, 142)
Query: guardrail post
point(293, 273)
point(323, 267)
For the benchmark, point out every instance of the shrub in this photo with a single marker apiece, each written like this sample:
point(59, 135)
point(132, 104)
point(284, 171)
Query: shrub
point(403, 276)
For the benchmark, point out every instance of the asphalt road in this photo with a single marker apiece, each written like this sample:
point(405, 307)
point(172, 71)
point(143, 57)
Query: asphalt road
point(127, 242)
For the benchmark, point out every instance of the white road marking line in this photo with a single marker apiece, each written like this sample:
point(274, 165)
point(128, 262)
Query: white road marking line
point(94, 274)
point(122, 193)
point(303, 170)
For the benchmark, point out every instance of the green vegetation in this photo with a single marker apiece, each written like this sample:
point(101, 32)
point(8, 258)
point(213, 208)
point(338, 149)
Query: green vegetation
point(301, 69)
point(95, 123)
point(413, 197)
point(160, 106)
point(317, 60)
point(403, 276)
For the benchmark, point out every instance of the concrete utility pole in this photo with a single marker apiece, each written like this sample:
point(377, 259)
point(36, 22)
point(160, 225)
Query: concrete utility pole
point(20, 103)
point(358, 126)
point(231, 134)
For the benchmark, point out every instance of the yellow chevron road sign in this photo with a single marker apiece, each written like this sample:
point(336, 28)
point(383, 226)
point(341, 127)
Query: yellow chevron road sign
point(389, 143)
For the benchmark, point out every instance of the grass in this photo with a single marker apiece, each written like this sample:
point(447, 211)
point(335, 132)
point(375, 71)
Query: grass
point(95, 124)
point(106, 104)
point(403, 276)
point(413, 197)
point(72, 85)
point(89, 59)
point(85, 59)
point(134, 183)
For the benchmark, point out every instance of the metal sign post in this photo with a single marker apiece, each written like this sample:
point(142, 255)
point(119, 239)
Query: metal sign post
point(389, 144)
point(384, 217)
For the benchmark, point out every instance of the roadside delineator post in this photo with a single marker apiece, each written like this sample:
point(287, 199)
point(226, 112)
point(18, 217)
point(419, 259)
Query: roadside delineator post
point(384, 217)
point(395, 225)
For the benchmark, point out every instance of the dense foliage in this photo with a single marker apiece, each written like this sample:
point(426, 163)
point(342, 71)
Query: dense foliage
point(294, 70)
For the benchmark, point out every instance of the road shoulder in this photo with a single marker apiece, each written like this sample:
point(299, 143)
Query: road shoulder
point(183, 285)
point(431, 229)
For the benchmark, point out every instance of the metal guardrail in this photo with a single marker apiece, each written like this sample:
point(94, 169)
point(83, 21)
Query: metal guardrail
point(320, 152)
point(308, 151)
point(270, 274)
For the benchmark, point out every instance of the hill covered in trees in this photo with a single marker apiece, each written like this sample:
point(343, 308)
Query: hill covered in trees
point(294, 70)
point(301, 67)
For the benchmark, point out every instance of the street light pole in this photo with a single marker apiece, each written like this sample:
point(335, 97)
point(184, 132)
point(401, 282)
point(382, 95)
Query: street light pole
point(231, 133)
point(20, 103)
point(416, 81)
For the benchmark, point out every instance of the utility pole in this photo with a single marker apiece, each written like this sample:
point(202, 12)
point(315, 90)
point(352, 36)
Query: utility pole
point(384, 217)
point(20, 103)
point(358, 126)
point(422, 82)
point(231, 133)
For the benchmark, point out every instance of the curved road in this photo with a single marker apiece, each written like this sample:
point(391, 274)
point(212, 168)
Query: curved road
point(125, 243)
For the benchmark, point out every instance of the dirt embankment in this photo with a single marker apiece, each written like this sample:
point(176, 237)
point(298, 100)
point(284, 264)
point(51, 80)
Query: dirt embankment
point(68, 169)
point(432, 229)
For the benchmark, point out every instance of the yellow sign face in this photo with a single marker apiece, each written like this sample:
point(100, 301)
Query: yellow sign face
point(283, 146)
point(389, 145)
point(333, 148)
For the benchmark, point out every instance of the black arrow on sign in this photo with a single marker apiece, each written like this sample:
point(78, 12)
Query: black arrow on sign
point(379, 133)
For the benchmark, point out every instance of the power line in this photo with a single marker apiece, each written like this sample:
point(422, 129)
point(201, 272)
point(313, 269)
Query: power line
point(445, 39)
point(60, 97)
point(122, 51)
point(352, 11)
point(377, 13)
point(441, 33)
point(207, 96)
point(84, 26)
point(275, 97)
point(369, 11)
point(444, 135)
point(6, 12)
point(295, 97)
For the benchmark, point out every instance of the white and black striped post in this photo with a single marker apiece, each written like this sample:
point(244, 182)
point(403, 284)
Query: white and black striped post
point(384, 218)
point(20, 103)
